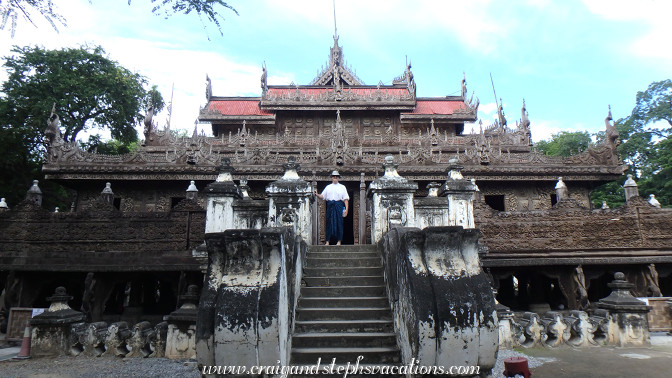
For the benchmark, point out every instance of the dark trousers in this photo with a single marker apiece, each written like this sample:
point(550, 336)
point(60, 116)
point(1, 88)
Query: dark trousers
point(334, 227)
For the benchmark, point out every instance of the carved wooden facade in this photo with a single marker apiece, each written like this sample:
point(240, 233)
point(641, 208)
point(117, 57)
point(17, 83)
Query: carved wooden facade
point(336, 122)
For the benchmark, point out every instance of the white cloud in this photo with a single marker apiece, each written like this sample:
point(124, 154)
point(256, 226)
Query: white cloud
point(473, 24)
point(543, 129)
point(488, 108)
point(654, 15)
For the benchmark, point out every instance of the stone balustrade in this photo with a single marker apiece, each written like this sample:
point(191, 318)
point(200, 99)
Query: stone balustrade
point(620, 320)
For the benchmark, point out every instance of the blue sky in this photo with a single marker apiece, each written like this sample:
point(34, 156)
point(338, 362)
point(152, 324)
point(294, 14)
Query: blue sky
point(568, 59)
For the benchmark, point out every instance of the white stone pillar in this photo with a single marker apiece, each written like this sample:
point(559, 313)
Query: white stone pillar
point(631, 189)
point(391, 201)
point(221, 194)
point(289, 202)
point(460, 194)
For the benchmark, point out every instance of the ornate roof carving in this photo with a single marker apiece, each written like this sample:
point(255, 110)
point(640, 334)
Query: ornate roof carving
point(366, 97)
point(336, 73)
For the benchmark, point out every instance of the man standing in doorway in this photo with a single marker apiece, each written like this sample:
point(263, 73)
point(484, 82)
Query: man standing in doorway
point(337, 208)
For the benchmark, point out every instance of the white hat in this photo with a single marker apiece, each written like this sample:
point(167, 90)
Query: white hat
point(335, 173)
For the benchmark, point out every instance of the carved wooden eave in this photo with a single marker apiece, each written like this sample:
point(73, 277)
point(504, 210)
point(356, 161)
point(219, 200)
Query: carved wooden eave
point(331, 98)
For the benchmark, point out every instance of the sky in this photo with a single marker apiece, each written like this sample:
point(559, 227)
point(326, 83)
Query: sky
point(568, 59)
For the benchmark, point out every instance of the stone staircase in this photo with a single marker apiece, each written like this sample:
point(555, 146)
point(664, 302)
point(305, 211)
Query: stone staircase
point(344, 311)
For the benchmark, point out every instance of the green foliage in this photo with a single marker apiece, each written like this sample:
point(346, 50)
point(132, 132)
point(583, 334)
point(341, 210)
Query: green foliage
point(96, 144)
point(612, 193)
point(646, 150)
point(636, 146)
point(12, 10)
point(156, 98)
point(654, 104)
point(565, 143)
point(89, 91)
point(207, 8)
point(659, 181)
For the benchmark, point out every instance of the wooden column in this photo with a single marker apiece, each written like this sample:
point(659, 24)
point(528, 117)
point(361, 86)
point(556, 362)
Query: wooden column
point(362, 210)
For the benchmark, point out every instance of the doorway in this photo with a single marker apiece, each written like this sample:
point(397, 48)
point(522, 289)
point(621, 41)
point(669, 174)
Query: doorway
point(348, 221)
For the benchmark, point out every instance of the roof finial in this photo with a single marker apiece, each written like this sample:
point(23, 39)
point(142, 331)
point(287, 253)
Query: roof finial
point(464, 85)
point(335, 30)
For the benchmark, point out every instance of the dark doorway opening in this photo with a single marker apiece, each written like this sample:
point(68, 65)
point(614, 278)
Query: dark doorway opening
point(495, 201)
point(348, 222)
point(554, 199)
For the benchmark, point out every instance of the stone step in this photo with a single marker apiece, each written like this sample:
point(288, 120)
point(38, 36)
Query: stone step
point(342, 291)
point(371, 355)
point(344, 340)
point(331, 302)
point(344, 281)
point(342, 255)
point(344, 271)
point(343, 313)
point(343, 248)
point(367, 325)
point(324, 262)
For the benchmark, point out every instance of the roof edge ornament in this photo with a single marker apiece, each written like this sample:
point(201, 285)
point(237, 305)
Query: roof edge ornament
point(611, 136)
point(53, 131)
point(264, 78)
point(524, 125)
point(208, 87)
point(464, 86)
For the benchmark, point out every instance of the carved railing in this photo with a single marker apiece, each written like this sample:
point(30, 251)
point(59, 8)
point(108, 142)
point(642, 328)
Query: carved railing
point(117, 339)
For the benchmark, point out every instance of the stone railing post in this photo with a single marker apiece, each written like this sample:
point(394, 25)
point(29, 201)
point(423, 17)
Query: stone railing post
point(631, 189)
point(509, 331)
point(34, 195)
point(107, 195)
point(181, 337)
point(221, 194)
point(460, 194)
point(3, 205)
point(52, 328)
point(391, 201)
point(192, 191)
point(628, 322)
point(289, 202)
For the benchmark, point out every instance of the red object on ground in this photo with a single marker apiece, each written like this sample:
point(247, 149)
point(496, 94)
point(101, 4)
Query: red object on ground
point(516, 365)
point(24, 353)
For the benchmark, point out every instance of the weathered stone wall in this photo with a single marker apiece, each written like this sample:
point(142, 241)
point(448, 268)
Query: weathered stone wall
point(246, 309)
point(444, 308)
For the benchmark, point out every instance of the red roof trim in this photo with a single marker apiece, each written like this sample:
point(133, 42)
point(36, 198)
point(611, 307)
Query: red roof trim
point(237, 108)
point(445, 107)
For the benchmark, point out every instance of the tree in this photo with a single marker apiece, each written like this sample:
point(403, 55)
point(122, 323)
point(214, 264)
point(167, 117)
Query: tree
point(565, 143)
point(12, 10)
point(88, 91)
point(654, 104)
point(646, 149)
